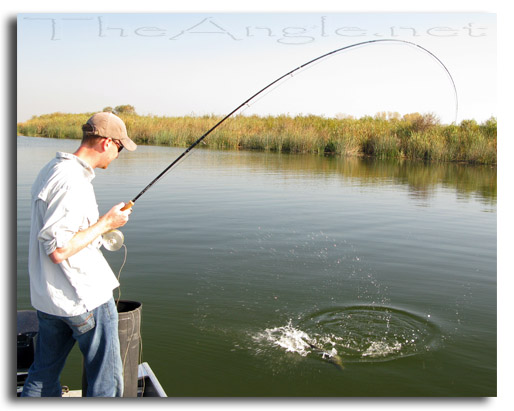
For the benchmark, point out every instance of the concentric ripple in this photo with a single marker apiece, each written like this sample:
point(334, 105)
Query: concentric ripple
point(371, 333)
point(355, 334)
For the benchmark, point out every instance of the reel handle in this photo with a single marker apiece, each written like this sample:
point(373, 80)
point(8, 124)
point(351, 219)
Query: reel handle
point(127, 206)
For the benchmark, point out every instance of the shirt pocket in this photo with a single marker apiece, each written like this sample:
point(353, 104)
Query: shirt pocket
point(81, 324)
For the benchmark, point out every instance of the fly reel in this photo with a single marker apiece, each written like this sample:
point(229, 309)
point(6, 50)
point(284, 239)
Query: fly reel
point(113, 240)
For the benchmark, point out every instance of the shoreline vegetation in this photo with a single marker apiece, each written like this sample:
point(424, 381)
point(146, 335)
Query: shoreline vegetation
point(385, 135)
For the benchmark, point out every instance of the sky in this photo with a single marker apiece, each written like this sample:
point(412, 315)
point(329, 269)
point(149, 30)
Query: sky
point(198, 63)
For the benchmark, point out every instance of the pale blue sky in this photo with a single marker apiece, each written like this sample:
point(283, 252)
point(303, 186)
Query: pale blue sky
point(208, 63)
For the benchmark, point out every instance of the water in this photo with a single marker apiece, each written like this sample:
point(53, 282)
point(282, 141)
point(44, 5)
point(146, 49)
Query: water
point(282, 275)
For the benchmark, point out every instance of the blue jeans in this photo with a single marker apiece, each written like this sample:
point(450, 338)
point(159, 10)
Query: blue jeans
point(97, 335)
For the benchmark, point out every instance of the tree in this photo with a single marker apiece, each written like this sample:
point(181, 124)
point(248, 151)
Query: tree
point(124, 109)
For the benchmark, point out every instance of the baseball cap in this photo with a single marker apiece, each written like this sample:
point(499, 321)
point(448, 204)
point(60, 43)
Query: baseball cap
point(109, 125)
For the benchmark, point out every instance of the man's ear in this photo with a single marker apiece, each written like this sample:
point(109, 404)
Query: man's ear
point(104, 144)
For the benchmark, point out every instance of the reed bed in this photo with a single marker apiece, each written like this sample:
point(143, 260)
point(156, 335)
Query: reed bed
point(413, 136)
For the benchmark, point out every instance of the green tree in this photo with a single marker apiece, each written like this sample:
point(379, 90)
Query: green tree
point(124, 109)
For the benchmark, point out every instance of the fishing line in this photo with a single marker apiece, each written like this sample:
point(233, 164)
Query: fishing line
point(280, 83)
point(114, 245)
point(273, 83)
point(113, 240)
point(119, 275)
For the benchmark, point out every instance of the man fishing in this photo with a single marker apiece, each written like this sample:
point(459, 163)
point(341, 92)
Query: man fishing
point(71, 283)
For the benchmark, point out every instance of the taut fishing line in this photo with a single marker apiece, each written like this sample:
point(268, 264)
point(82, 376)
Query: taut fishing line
point(273, 83)
point(113, 240)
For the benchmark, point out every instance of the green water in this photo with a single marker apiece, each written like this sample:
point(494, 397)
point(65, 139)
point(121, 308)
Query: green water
point(240, 258)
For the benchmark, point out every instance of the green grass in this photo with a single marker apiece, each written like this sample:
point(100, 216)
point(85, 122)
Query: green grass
point(413, 136)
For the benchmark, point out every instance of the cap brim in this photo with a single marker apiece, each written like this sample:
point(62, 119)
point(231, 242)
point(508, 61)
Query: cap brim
point(128, 144)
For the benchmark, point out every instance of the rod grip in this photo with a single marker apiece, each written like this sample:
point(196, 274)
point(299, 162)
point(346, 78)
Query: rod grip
point(127, 206)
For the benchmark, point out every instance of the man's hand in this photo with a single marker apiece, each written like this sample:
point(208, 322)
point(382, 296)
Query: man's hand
point(114, 218)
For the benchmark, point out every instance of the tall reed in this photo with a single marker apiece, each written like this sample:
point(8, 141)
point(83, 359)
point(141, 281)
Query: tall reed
point(414, 136)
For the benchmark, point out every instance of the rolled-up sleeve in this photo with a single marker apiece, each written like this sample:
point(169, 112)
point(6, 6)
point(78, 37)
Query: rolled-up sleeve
point(63, 218)
point(63, 204)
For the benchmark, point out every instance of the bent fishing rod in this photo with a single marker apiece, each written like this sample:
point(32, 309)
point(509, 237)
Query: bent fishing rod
point(289, 73)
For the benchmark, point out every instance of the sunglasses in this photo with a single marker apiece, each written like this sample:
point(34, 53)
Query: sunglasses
point(118, 144)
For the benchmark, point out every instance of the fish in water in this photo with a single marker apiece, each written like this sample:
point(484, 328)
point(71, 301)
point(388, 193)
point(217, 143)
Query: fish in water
point(334, 359)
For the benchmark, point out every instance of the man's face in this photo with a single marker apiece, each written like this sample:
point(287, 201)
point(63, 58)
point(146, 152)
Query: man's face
point(111, 152)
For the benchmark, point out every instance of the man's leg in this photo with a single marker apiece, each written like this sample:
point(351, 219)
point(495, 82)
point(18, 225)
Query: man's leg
point(101, 349)
point(54, 343)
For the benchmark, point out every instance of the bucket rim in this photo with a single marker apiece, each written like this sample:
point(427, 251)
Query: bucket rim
point(124, 306)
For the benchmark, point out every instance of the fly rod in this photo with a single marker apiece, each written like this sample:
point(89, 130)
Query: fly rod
point(289, 73)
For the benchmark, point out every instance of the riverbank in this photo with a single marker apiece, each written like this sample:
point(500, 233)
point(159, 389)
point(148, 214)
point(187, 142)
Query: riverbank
point(412, 136)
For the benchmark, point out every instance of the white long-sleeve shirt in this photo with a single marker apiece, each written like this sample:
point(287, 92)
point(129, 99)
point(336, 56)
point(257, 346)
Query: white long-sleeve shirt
point(63, 203)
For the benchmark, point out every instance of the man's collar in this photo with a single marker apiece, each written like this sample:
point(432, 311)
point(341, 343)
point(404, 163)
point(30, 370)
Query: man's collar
point(89, 172)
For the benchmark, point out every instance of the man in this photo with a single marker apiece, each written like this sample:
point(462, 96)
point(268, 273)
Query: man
point(71, 283)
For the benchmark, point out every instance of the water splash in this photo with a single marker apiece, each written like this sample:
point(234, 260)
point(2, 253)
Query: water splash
point(287, 337)
point(294, 340)
point(355, 334)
